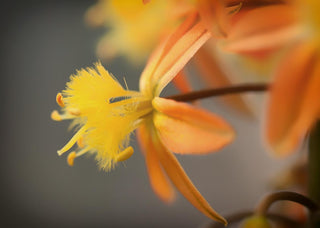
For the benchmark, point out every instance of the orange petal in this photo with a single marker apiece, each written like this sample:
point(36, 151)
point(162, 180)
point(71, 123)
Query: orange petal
point(215, 77)
point(182, 182)
point(158, 179)
point(188, 130)
point(292, 104)
point(212, 14)
point(262, 29)
point(172, 55)
point(308, 112)
point(182, 83)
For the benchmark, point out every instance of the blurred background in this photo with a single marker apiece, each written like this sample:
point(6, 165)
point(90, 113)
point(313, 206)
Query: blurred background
point(42, 44)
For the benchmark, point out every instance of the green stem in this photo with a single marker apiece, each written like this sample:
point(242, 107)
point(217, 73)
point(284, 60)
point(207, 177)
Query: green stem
point(220, 92)
point(314, 169)
point(314, 164)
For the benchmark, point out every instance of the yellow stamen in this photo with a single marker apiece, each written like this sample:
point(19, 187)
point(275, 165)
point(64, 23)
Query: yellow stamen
point(71, 158)
point(59, 100)
point(56, 116)
point(74, 155)
point(74, 111)
point(124, 155)
point(72, 141)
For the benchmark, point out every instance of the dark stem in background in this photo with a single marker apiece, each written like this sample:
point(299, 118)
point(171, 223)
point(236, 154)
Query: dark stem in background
point(288, 196)
point(314, 169)
point(259, 87)
point(240, 216)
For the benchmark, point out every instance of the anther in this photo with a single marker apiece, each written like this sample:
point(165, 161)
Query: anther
point(125, 154)
point(56, 116)
point(80, 142)
point(59, 100)
point(71, 158)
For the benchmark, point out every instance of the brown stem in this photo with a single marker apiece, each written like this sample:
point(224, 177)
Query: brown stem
point(290, 196)
point(238, 217)
point(220, 92)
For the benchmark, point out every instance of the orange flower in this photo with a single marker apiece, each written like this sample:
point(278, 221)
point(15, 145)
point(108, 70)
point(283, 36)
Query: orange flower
point(108, 114)
point(260, 27)
point(134, 28)
point(294, 98)
point(293, 105)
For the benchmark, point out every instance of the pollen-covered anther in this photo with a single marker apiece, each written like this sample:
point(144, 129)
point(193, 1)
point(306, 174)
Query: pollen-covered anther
point(125, 154)
point(80, 142)
point(56, 116)
point(72, 155)
point(71, 158)
point(74, 111)
point(59, 100)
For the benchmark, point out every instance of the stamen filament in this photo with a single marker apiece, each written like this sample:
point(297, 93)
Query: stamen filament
point(72, 141)
point(74, 111)
point(56, 116)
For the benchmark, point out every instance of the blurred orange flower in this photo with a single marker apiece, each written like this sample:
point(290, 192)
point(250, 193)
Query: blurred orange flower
point(294, 105)
point(107, 114)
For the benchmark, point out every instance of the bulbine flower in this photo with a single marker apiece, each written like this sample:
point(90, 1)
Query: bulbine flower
point(294, 106)
point(134, 28)
point(107, 114)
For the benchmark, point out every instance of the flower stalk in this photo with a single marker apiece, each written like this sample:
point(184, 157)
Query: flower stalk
point(288, 196)
point(314, 168)
point(242, 88)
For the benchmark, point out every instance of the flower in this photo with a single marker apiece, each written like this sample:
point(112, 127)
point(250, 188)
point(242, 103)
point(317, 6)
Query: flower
point(293, 106)
point(107, 114)
point(134, 28)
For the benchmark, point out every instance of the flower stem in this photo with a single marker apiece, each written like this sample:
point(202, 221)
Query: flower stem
point(314, 164)
point(220, 92)
point(289, 196)
point(314, 169)
point(238, 217)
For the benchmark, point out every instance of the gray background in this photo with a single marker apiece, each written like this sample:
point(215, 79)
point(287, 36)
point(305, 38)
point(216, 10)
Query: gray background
point(42, 43)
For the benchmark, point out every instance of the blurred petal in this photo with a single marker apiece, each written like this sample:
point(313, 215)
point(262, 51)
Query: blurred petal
point(213, 15)
point(188, 130)
point(309, 109)
point(172, 55)
point(182, 182)
point(182, 83)
point(158, 179)
point(293, 99)
point(261, 30)
point(215, 77)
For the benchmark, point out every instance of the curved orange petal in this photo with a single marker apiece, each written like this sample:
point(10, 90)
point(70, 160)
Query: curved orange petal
point(188, 130)
point(292, 106)
point(158, 179)
point(308, 112)
point(172, 55)
point(213, 15)
point(261, 30)
point(182, 182)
